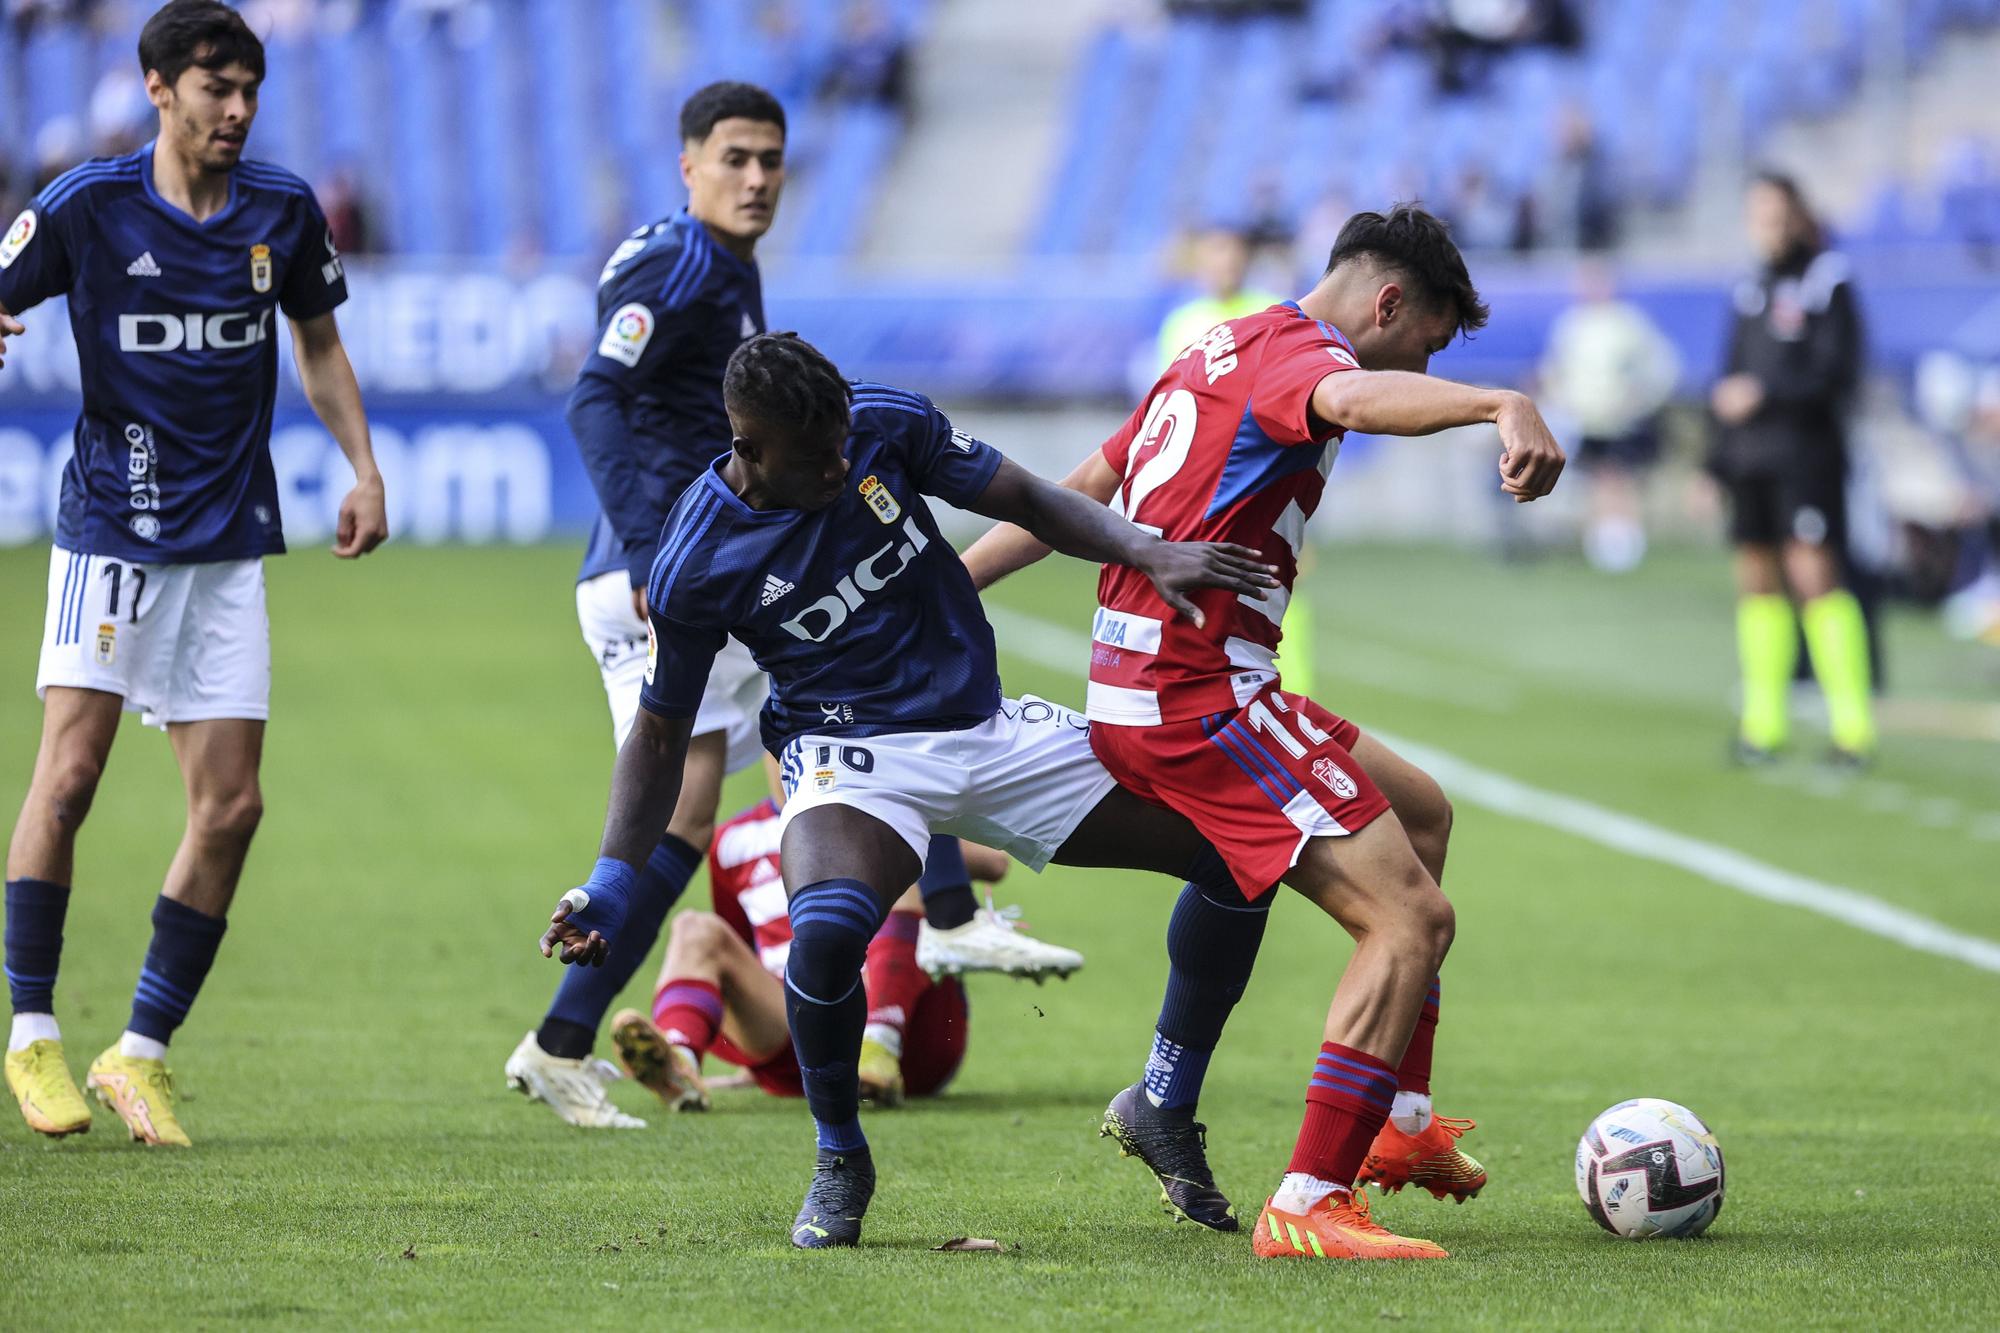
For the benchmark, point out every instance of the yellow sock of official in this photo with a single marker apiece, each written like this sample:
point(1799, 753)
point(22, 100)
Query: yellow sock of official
point(1767, 648)
point(1838, 637)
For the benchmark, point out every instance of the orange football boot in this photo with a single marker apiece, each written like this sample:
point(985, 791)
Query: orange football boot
point(1431, 1160)
point(1337, 1227)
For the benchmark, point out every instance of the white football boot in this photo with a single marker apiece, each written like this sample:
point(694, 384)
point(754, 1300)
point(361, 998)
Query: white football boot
point(991, 942)
point(573, 1089)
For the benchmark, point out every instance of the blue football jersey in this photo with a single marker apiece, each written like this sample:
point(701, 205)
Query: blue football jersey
point(861, 612)
point(647, 408)
point(174, 322)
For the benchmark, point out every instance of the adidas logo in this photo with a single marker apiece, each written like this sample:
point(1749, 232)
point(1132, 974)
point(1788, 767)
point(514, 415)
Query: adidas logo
point(774, 588)
point(143, 267)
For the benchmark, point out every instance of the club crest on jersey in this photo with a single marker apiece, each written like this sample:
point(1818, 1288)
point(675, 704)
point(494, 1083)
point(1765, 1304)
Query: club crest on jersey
point(825, 779)
point(652, 651)
point(878, 498)
point(1335, 777)
point(260, 268)
point(107, 643)
point(1345, 357)
point(17, 237)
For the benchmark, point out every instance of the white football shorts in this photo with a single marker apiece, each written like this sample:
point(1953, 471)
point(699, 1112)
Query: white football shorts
point(179, 643)
point(1021, 781)
point(617, 639)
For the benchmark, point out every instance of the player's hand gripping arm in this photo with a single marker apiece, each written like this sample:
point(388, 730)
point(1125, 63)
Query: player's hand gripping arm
point(1396, 402)
point(328, 379)
point(645, 783)
point(1076, 525)
point(9, 328)
point(1010, 547)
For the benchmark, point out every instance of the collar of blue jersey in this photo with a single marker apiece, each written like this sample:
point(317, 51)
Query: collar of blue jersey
point(173, 211)
point(1324, 327)
point(698, 232)
point(712, 478)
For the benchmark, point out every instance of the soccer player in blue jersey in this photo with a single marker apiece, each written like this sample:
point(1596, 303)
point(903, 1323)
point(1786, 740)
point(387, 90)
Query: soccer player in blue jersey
point(175, 260)
point(812, 545)
point(674, 300)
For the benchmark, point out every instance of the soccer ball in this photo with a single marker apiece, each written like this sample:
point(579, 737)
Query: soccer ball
point(1650, 1168)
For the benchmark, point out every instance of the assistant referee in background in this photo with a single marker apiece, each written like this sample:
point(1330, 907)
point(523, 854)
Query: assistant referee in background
point(1781, 454)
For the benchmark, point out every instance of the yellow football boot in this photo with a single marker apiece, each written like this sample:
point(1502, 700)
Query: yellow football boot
point(40, 1081)
point(142, 1093)
point(881, 1074)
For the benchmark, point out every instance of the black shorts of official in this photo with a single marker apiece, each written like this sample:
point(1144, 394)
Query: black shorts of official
point(1806, 505)
point(1635, 449)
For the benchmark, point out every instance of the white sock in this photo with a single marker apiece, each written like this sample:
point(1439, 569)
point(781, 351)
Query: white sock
point(32, 1028)
point(693, 1057)
point(1298, 1192)
point(888, 1038)
point(135, 1047)
point(1411, 1112)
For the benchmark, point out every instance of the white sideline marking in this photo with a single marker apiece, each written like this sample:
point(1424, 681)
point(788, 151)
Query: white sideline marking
point(1064, 649)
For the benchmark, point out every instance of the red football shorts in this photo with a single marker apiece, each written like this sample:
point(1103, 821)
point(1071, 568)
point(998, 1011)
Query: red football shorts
point(1257, 782)
point(933, 1048)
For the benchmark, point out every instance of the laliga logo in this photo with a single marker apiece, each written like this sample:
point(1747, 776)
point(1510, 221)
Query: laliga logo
point(852, 588)
point(173, 333)
point(631, 325)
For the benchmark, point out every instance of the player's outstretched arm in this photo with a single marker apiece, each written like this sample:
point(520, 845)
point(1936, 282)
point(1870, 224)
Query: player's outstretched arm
point(1009, 547)
point(1397, 402)
point(9, 328)
point(328, 379)
point(1070, 522)
point(645, 783)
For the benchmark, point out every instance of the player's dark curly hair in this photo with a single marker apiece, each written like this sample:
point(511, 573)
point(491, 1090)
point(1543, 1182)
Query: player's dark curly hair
point(204, 33)
point(1418, 246)
point(781, 380)
point(727, 100)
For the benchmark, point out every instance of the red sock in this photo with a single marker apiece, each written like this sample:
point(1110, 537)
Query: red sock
point(1414, 1074)
point(1346, 1104)
point(895, 983)
point(689, 1013)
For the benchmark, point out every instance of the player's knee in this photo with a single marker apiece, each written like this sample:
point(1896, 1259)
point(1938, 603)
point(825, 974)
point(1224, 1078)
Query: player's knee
point(832, 922)
point(699, 934)
point(71, 785)
point(1436, 923)
point(230, 816)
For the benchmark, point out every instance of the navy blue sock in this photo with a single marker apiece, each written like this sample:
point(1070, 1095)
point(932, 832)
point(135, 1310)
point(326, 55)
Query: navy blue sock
point(35, 911)
point(946, 885)
point(586, 993)
point(1212, 942)
point(177, 962)
point(825, 1003)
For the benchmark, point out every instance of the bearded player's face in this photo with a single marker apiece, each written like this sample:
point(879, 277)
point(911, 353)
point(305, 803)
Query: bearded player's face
point(205, 114)
point(735, 175)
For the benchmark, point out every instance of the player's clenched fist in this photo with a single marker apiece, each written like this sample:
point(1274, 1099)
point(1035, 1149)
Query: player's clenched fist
point(9, 327)
point(364, 519)
point(1530, 459)
point(1177, 568)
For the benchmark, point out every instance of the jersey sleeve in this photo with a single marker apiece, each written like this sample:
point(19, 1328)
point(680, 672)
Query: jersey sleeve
point(316, 282)
point(642, 307)
point(1299, 356)
point(1117, 450)
point(678, 659)
point(35, 259)
point(950, 463)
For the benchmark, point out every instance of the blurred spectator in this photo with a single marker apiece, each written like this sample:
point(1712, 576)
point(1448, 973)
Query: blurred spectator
point(1575, 207)
point(59, 145)
point(870, 61)
point(1219, 259)
point(121, 116)
point(1959, 404)
point(1482, 218)
point(347, 214)
point(280, 20)
point(1610, 370)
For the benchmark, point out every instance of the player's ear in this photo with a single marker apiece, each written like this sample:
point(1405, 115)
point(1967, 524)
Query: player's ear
point(1388, 303)
point(746, 449)
point(687, 167)
point(158, 91)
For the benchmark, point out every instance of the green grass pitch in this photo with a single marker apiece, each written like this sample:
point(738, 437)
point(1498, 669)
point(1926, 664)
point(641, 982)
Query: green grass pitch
point(436, 777)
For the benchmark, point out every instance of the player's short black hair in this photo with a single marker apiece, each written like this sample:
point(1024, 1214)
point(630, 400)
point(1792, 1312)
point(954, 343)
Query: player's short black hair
point(207, 33)
point(727, 100)
point(782, 380)
point(1806, 225)
point(1418, 246)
